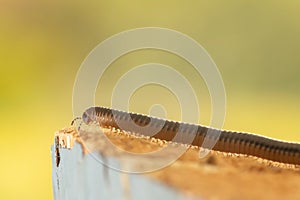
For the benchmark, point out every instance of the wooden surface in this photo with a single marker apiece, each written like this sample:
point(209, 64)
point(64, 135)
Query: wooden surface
point(217, 176)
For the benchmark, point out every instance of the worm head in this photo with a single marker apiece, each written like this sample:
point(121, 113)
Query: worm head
point(86, 118)
point(89, 116)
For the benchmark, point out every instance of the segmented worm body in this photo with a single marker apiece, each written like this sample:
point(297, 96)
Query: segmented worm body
point(225, 141)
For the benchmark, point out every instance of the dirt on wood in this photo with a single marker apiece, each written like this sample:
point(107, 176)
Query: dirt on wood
point(216, 176)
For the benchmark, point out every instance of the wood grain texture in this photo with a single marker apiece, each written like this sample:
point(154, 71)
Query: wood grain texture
point(217, 176)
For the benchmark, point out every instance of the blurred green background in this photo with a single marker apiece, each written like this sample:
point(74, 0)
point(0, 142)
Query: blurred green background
point(255, 44)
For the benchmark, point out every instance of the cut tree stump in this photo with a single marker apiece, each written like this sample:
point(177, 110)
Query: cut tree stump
point(88, 167)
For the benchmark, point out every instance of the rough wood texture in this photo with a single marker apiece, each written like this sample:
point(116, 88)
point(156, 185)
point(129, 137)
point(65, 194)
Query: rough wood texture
point(217, 176)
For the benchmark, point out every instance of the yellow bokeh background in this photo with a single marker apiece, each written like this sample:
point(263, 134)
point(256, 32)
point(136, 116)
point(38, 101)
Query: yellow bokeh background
point(43, 43)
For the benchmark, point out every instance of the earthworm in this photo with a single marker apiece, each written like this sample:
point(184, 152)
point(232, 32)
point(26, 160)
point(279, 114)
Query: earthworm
point(225, 141)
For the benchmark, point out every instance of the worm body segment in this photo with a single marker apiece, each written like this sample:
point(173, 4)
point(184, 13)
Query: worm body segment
point(225, 141)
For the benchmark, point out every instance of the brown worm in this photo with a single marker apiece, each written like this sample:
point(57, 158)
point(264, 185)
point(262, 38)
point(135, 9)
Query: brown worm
point(225, 141)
